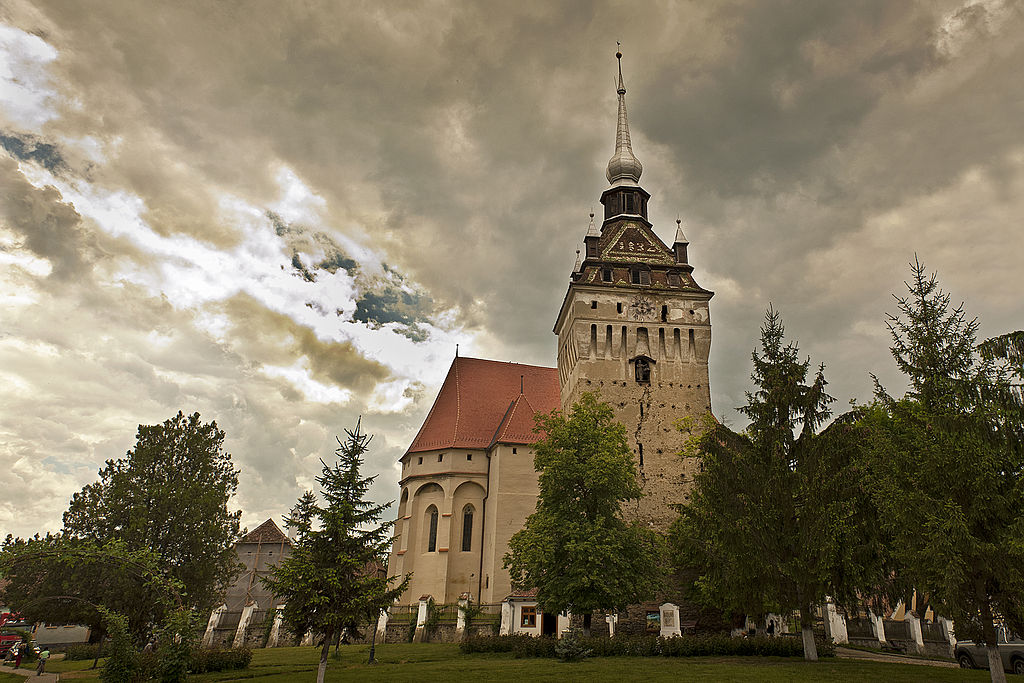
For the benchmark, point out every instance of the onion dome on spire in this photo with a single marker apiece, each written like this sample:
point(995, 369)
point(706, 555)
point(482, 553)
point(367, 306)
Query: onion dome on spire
point(623, 168)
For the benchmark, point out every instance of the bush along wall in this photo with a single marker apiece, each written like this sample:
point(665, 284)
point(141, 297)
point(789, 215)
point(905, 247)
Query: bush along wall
point(521, 645)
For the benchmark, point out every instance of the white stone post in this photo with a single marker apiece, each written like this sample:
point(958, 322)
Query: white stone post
point(562, 622)
point(243, 625)
point(613, 620)
point(275, 630)
point(915, 631)
point(950, 636)
point(878, 626)
point(460, 622)
point(307, 639)
point(382, 624)
point(421, 619)
point(212, 624)
point(835, 625)
point(506, 619)
point(669, 620)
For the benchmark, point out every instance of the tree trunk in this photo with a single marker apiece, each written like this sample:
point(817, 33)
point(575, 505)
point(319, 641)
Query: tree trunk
point(807, 630)
point(99, 651)
point(988, 629)
point(373, 644)
point(321, 670)
point(586, 624)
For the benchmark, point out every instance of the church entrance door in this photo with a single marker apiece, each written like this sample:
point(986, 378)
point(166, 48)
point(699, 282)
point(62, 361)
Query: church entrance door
point(549, 624)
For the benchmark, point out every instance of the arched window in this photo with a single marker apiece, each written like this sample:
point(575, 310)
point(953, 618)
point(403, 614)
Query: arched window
point(467, 528)
point(643, 370)
point(432, 531)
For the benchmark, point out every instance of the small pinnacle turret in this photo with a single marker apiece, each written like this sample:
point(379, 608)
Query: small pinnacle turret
point(623, 168)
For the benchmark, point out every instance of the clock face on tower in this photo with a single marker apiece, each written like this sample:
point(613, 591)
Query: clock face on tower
point(641, 308)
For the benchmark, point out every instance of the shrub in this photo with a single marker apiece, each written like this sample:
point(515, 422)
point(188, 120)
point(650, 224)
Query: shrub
point(205, 661)
point(80, 652)
point(570, 648)
point(710, 645)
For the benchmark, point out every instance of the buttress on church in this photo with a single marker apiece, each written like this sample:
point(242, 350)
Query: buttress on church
point(634, 326)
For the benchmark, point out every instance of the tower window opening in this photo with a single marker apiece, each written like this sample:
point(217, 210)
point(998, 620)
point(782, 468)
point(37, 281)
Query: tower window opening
point(643, 370)
point(593, 304)
point(641, 276)
point(592, 249)
point(421, 461)
point(630, 199)
point(513, 450)
point(673, 279)
point(467, 528)
point(440, 457)
point(432, 532)
point(618, 307)
point(469, 456)
point(606, 275)
point(664, 314)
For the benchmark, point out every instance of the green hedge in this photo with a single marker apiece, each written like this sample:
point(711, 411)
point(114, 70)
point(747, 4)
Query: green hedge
point(521, 645)
point(78, 652)
point(205, 661)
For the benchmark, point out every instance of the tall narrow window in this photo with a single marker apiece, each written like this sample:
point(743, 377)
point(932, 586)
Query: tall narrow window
point(432, 532)
point(606, 275)
point(467, 528)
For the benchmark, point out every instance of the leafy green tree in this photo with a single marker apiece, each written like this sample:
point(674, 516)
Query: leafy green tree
point(62, 580)
point(777, 519)
point(329, 582)
point(575, 548)
point(169, 494)
point(948, 464)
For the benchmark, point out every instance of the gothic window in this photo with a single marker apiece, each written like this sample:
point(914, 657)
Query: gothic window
point(467, 528)
point(432, 531)
point(643, 370)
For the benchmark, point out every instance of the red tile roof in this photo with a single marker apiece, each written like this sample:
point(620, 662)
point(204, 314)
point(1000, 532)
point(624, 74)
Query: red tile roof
point(480, 404)
point(268, 532)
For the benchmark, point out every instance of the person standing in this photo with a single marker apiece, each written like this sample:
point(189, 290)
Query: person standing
point(19, 655)
point(41, 666)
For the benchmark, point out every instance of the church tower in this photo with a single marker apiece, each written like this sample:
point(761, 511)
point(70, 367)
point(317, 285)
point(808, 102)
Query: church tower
point(635, 327)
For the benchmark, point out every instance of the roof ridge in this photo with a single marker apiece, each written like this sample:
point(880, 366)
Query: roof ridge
point(458, 403)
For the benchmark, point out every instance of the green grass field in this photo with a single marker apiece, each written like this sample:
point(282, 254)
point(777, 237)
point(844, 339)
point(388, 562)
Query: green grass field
point(437, 663)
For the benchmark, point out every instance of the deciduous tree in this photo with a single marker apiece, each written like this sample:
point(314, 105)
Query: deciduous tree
point(169, 495)
point(576, 549)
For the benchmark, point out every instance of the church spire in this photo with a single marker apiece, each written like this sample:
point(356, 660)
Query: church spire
point(623, 168)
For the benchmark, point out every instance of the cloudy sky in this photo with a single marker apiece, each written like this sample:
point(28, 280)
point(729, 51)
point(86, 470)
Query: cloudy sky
point(285, 215)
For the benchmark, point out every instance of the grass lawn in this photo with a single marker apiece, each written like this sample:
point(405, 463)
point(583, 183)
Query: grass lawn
point(10, 678)
point(437, 663)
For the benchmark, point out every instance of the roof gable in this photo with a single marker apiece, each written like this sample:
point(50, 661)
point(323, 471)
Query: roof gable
point(268, 532)
point(634, 241)
point(480, 403)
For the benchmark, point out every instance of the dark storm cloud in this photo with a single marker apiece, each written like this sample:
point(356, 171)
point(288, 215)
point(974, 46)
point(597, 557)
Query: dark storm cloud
point(810, 149)
point(48, 227)
point(31, 148)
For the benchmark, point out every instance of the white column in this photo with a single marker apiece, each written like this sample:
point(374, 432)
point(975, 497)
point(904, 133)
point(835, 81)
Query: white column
point(212, 624)
point(877, 626)
point(948, 626)
point(460, 622)
point(613, 620)
point(275, 630)
point(243, 625)
point(506, 619)
point(835, 625)
point(421, 620)
point(669, 620)
point(915, 631)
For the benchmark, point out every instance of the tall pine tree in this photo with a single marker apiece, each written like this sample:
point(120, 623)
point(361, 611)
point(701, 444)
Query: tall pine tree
point(776, 521)
point(948, 462)
point(330, 581)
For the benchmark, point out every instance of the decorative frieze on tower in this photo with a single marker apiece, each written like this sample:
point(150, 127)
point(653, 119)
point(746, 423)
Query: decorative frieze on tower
point(635, 327)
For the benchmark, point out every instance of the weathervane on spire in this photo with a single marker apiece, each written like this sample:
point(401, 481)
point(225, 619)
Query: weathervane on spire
point(623, 168)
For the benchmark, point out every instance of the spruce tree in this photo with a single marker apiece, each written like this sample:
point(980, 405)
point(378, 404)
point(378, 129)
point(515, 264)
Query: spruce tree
point(948, 463)
point(330, 581)
point(776, 521)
